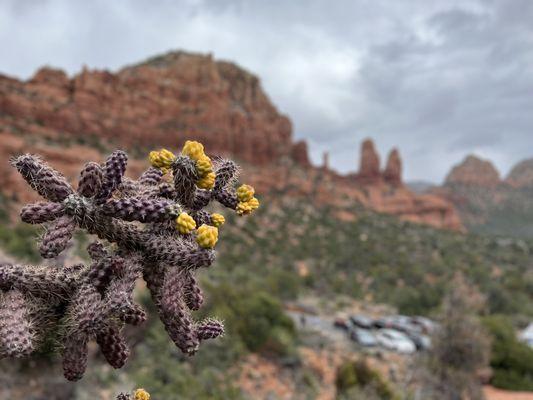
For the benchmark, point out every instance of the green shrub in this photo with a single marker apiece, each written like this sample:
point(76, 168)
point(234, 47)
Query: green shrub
point(263, 326)
point(252, 317)
point(19, 241)
point(357, 374)
point(511, 360)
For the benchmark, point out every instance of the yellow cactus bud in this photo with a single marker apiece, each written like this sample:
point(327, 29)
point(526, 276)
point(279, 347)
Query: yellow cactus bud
point(192, 149)
point(207, 236)
point(161, 159)
point(204, 166)
point(245, 193)
point(153, 157)
point(167, 156)
point(141, 394)
point(243, 208)
point(217, 219)
point(207, 182)
point(253, 203)
point(246, 207)
point(185, 223)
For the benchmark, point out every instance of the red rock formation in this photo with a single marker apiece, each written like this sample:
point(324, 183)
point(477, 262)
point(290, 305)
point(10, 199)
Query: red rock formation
point(52, 77)
point(163, 100)
point(369, 170)
point(393, 170)
point(474, 171)
point(521, 175)
point(483, 200)
point(177, 96)
point(325, 161)
point(299, 154)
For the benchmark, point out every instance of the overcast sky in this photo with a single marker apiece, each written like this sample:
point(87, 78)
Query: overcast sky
point(438, 79)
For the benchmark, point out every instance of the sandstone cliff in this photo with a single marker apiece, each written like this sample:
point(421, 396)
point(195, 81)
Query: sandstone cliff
point(170, 98)
point(521, 175)
point(474, 171)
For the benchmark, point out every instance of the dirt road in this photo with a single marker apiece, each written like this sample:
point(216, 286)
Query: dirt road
point(492, 393)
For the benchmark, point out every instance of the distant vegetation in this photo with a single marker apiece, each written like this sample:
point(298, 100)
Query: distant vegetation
point(496, 211)
point(255, 322)
point(17, 239)
point(403, 264)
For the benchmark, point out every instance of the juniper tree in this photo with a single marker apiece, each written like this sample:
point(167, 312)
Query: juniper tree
point(460, 348)
point(154, 228)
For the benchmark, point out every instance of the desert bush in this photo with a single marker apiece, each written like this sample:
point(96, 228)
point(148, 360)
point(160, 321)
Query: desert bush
point(511, 360)
point(19, 241)
point(254, 317)
point(356, 380)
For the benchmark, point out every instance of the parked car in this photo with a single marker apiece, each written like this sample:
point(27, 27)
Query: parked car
point(421, 341)
point(384, 322)
point(364, 337)
point(404, 324)
point(362, 321)
point(341, 323)
point(427, 325)
point(396, 341)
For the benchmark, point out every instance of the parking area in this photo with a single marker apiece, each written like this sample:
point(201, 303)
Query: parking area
point(397, 333)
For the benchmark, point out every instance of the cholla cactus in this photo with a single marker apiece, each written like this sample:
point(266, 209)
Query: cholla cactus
point(153, 227)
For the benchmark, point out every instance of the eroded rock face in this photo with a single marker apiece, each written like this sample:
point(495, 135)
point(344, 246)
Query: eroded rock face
point(474, 171)
point(369, 170)
point(521, 175)
point(178, 96)
point(164, 100)
point(52, 77)
point(393, 170)
point(300, 153)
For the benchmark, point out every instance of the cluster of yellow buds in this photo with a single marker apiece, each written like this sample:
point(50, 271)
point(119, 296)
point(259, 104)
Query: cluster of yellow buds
point(217, 219)
point(162, 159)
point(141, 394)
point(204, 165)
point(185, 223)
point(247, 201)
point(207, 236)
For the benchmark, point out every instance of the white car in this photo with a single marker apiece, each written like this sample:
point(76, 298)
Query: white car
point(396, 341)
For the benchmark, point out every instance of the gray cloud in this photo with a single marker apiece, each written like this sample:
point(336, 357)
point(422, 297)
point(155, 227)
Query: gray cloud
point(438, 79)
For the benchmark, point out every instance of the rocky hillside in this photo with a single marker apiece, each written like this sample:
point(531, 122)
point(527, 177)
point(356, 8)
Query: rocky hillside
point(488, 203)
point(170, 98)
